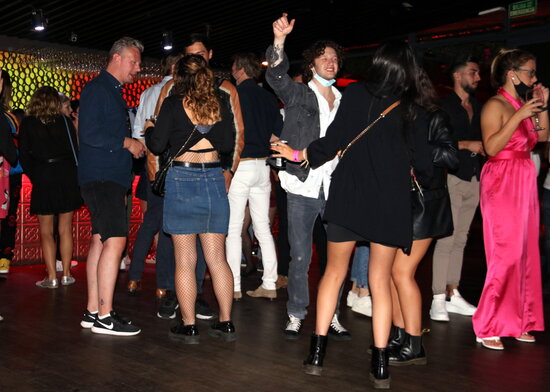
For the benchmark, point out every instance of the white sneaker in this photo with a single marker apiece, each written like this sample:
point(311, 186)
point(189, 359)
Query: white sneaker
point(459, 305)
point(363, 305)
point(438, 312)
point(352, 297)
point(59, 265)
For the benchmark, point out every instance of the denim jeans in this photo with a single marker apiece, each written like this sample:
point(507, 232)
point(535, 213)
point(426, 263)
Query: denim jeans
point(152, 224)
point(302, 213)
point(360, 266)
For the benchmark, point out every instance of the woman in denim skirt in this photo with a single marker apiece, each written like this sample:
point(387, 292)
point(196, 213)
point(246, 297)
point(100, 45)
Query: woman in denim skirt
point(196, 126)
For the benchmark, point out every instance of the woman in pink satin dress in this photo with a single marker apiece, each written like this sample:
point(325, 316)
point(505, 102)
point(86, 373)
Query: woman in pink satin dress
point(511, 302)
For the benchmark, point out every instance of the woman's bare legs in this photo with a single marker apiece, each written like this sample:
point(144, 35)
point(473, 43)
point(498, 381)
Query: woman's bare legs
point(409, 298)
point(47, 242)
point(380, 267)
point(66, 240)
point(339, 254)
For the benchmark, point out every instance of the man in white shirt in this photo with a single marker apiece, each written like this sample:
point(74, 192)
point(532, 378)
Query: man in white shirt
point(309, 109)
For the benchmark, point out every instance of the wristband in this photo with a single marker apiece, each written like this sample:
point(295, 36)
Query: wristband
point(295, 157)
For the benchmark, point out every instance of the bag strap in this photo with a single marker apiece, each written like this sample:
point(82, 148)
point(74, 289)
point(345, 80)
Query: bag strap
point(169, 163)
point(382, 115)
point(70, 140)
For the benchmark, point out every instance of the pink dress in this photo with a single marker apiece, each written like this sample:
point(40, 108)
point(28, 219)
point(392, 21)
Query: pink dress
point(511, 302)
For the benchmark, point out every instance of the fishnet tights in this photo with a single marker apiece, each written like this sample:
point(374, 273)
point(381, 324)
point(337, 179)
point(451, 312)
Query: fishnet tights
point(213, 246)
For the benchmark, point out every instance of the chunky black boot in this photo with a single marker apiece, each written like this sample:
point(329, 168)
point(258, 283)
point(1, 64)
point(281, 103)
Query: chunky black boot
point(395, 340)
point(412, 353)
point(379, 372)
point(314, 362)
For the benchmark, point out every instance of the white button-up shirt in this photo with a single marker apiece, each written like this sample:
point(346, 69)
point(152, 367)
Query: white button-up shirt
point(146, 108)
point(321, 175)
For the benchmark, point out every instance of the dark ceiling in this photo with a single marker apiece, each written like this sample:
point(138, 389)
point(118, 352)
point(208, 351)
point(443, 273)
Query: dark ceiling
point(234, 26)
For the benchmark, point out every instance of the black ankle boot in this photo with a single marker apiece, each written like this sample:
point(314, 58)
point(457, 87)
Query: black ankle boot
point(411, 353)
point(395, 341)
point(314, 362)
point(397, 338)
point(379, 372)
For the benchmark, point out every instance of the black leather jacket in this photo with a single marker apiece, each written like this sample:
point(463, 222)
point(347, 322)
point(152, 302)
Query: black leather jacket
point(434, 152)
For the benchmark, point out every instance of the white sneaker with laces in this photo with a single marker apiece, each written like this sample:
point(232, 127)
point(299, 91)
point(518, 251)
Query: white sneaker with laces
point(438, 312)
point(363, 305)
point(293, 327)
point(352, 297)
point(459, 305)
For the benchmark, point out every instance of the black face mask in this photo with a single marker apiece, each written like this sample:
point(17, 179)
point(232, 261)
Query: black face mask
point(522, 89)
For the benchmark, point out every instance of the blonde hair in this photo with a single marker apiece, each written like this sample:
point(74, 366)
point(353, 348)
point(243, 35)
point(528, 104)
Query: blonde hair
point(195, 81)
point(45, 104)
point(506, 60)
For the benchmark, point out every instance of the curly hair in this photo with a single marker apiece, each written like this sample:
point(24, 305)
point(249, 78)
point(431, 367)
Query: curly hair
point(195, 81)
point(5, 94)
point(45, 104)
point(316, 50)
point(506, 60)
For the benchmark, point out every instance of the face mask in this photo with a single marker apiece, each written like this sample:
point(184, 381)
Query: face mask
point(324, 82)
point(521, 89)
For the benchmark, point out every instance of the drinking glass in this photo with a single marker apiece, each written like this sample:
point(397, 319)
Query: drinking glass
point(536, 93)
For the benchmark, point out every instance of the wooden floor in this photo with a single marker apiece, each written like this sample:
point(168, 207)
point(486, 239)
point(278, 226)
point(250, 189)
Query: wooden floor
point(43, 348)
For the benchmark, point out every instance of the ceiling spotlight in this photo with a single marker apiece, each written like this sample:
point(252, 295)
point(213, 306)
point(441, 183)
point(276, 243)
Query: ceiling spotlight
point(73, 37)
point(39, 22)
point(167, 42)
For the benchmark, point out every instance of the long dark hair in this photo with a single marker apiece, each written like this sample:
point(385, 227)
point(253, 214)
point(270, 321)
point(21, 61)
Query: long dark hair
point(395, 70)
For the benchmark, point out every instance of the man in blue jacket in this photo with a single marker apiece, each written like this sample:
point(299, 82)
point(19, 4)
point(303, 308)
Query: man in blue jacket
point(104, 173)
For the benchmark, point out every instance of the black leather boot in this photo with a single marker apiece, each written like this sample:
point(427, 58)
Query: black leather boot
point(395, 340)
point(379, 372)
point(411, 353)
point(314, 362)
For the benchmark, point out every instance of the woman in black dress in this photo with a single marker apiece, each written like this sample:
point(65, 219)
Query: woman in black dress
point(369, 197)
point(48, 153)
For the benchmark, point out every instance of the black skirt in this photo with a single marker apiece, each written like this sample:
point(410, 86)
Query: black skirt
point(55, 188)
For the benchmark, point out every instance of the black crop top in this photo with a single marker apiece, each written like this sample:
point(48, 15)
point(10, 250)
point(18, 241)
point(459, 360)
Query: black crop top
point(173, 127)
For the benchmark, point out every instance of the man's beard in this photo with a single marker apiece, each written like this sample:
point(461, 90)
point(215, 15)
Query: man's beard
point(469, 89)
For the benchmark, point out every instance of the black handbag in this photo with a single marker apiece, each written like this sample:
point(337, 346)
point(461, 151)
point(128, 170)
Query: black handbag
point(431, 213)
point(159, 184)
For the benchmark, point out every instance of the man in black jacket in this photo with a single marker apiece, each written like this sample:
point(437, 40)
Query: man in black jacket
point(465, 112)
point(309, 109)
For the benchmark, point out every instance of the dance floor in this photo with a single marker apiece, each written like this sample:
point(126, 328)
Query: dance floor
point(43, 348)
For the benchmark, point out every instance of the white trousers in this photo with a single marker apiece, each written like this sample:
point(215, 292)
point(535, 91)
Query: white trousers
point(251, 184)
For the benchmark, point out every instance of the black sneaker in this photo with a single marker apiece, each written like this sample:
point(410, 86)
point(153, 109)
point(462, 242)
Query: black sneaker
point(189, 334)
point(224, 330)
point(203, 311)
point(88, 319)
point(114, 325)
point(168, 306)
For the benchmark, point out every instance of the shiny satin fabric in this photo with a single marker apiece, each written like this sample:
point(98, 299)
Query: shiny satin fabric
point(511, 301)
